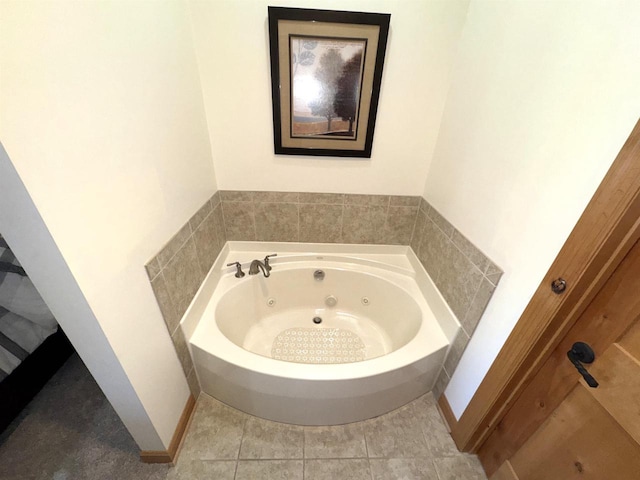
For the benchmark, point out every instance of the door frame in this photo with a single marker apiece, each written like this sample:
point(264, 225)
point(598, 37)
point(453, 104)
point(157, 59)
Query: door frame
point(605, 232)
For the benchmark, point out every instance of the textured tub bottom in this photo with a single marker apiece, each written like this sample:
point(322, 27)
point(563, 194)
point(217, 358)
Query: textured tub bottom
point(318, 345)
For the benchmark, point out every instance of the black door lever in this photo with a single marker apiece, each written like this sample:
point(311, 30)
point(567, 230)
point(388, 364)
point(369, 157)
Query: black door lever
point(582, 353)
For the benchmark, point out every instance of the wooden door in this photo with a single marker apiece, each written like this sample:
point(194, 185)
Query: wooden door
point(560, 428)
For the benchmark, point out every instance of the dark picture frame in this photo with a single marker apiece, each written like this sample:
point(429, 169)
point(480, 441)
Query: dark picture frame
point(326, 71)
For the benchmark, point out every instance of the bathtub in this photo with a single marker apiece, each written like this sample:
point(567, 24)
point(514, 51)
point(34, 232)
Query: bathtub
point(368, 337)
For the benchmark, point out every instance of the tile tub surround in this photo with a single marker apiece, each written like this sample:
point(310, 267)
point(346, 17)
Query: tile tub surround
point(465, 277)
point(463, 274)
point(177, 271)
point(319, 217)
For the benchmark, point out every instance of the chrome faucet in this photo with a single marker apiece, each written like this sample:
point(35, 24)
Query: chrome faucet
point(257, 266)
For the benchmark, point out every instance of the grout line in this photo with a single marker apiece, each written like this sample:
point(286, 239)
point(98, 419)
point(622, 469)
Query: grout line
point(342, 223)
point(413, 230)
point(157, 274)
point(224, 220)
point(469, 309)
point(162, 267)
point(366, 445)
point(280, 459)
point(255, 223)
point(171, 301)
point(435, 469)
point(298, 219)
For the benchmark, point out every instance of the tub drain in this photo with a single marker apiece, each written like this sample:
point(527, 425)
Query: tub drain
point(317, 320)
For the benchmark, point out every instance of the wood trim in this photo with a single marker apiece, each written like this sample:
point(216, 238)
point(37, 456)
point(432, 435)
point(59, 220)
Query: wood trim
point(446, 412)
point(171, 455)
point(605, 232)
point(155, 456)
point(605, 321)
point(506, 472)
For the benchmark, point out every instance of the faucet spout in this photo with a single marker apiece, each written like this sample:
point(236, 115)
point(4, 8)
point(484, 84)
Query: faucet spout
point(257, 266)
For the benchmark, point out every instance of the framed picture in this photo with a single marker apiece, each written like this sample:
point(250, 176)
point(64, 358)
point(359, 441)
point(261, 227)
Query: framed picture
point(326, 70)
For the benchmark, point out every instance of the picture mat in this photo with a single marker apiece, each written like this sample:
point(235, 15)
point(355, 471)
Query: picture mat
point(319, 29)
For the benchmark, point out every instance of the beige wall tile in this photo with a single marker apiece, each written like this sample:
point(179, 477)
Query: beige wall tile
point(478, 306)
point(363, 224)
point(458, 280)
point(320, 223)
point(276, 222)
point(200, 215)
point(163, 297)
point(470, 251)
point(207, 244)
point(327, 198)
point(275, 197)
point(239, 220)
point(404, 201)
point(399, 225)
point(432, 247)
point(218, 221)
point(236, 196)
point(424, 206)
point(493, 273)
point(153, 268)
point(441, 222)
point(421, 219)
point(215, 200)
point(354, 199)
point(183, 276)
point(182, 350)
point(172, 247)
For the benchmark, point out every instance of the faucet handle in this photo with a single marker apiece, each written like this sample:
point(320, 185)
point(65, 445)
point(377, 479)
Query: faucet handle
point(266, 260)
point(239, 272)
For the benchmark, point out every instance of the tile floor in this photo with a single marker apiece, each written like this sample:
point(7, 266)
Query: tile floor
point(71, 432)
point(408, 443)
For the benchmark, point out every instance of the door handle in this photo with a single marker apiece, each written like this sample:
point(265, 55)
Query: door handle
point(582, 353)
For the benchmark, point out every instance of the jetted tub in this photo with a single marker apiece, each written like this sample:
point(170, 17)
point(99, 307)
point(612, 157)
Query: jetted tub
point(341, 334)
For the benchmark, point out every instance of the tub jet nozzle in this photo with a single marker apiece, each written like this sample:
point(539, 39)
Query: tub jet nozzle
point(330, 301)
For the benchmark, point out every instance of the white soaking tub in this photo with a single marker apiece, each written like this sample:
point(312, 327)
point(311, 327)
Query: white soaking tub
point(368, 337)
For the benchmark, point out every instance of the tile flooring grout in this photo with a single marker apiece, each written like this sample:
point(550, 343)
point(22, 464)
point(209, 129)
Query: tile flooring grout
point(412, 440)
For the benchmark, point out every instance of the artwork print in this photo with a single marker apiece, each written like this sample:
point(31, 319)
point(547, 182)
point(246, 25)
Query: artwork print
point(326, 85)
point(326, 72)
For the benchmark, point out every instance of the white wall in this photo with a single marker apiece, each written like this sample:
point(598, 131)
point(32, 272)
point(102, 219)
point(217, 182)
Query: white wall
point(33, 244)
point(233, 53)
point(543, 95)
point(101, 113)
